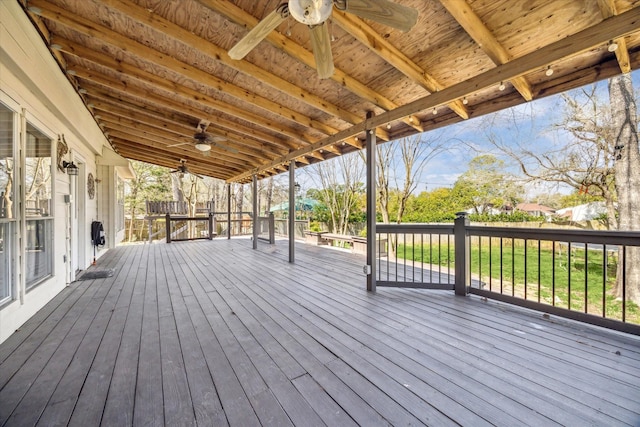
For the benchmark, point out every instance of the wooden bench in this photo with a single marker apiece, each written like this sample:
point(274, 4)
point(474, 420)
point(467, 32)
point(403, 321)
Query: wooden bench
point(331, 238)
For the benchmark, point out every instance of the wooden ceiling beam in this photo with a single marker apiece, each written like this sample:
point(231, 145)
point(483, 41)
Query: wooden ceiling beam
point(149, 113)
point(478, 31)
point(172, 159)
point(249, 147)
point(615, 27)
point(385, 50)
point(155, 142)
point(187, 93)
point(151, 55)
point(608, 9)
point(172, 138)
point(167, 159)
point(298, 52)
point(172, 30)
point(109, 86)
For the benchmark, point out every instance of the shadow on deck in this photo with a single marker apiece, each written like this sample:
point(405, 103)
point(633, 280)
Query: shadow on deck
point(214, 333)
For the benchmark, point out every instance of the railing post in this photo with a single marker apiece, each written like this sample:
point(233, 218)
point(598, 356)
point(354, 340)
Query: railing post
point(256, 220)
point(272, 228)
point(229, 211)
point(150, 228)
point(461, 241)
point(210, 225)
point(168, 226)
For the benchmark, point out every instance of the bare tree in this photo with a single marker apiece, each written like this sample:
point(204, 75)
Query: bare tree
point(415, 152)
point(340, 183)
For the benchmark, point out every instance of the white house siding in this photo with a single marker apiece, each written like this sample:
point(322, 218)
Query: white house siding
point(32, 84)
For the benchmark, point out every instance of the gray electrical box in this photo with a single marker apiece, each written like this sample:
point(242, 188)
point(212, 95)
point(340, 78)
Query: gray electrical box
point(68, 198)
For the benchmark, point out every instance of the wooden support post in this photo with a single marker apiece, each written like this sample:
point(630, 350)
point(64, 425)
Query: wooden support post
point(461, 240)
point(292, 211)
point(150, 230)
point(272, 228)
point(168, 227)
point(256, 223)
point(370, 268)
point(210, 225)
point(229, 211)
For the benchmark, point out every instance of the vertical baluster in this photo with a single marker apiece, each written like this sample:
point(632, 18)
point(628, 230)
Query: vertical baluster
point(605, 274)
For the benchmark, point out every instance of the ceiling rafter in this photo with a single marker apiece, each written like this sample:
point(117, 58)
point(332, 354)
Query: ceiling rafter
point(112, 84)
point(589, 38)
point(167, 159)
point(151, 55)
point(608, 9)
point(280, 41)
point(392, 55)
point(144, 139)
point(215, 52)
point(142, 112)
point(128, 91)
point(478, 31)
point(249, 147)
point(171, 138)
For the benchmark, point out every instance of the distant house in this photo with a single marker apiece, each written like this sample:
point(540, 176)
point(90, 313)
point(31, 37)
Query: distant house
point(585, 212)
point(535, 209)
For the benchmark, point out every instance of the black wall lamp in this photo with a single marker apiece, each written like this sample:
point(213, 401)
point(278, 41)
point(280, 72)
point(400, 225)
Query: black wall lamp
point(71, 168)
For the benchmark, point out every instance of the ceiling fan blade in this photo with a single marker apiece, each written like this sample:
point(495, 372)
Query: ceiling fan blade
point(259, 32)
point(177, 145)
point(321, 44)
point(225, 147)
point(385, 12)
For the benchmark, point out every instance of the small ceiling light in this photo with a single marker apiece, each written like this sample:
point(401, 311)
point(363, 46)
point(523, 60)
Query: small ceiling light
point(356, 138)
point(411, 119)
point(435, 111)
point(465, 101)
point(83, 91)
point(371, 132)
point(549, 71)
point(388, 125)
point(71, 168)
point(203, 147)
point(502, 86)
point(613, 46)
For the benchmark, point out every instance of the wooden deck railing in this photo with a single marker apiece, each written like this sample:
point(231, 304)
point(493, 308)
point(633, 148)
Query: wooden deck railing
point(579, 274)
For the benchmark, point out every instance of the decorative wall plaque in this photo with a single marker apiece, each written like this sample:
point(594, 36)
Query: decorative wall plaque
point(63, 149)
point(91, 186)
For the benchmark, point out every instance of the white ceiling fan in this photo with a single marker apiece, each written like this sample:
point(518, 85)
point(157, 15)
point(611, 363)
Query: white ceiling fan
point(315, 13)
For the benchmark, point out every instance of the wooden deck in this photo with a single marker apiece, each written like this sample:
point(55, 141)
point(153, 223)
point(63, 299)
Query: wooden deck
point(212, 333)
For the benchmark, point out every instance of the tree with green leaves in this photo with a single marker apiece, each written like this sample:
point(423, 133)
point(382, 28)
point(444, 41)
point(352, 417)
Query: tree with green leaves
point(486, 184)
point(150, 183)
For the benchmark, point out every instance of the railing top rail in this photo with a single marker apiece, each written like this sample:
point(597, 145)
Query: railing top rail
point(416, 228)
point(609, 237)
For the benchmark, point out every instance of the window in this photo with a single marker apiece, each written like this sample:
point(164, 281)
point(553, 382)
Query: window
point(7, 209)
point(38, 207)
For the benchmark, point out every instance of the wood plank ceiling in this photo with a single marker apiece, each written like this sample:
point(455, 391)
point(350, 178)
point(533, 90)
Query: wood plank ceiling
point(150, 70)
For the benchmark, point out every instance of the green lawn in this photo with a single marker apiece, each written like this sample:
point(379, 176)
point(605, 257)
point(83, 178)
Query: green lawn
point(571, 280)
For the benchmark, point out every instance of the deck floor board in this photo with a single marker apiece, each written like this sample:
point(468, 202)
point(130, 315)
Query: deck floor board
point(215, 333)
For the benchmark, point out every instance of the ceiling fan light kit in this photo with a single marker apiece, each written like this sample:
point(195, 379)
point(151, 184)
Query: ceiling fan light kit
point(310, 12)
point(203, 146)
